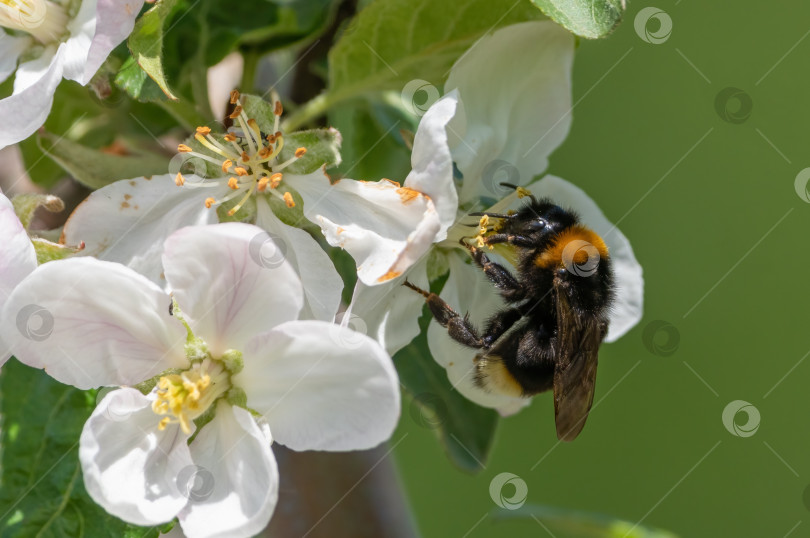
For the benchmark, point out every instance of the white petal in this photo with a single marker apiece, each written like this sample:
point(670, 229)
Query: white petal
point(467, 290)
point(513, 114)
point(389, 313)
point(99, 26)
point(26, 109)
point(17, 258)
point(385, 227)
point(432, 172)
point(322, 283)
point(321, 386)
point(10, 49)
point(628, 307)
point(91, 323)
point(130, 468)
point(231, 282)
point(233, 488)
point(128, 221)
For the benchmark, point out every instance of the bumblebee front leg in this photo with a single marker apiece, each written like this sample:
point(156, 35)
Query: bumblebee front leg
point(512, 239)
point(499, 275)
point(459, 328)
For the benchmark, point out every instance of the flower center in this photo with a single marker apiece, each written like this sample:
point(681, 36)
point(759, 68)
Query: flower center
point(250, 161)
point(46, 21)
point(185, 396)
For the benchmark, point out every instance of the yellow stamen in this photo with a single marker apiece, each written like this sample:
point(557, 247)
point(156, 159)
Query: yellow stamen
point(278, 109)
point(262, 185)
point(240, 171)
point(179, 180)
point(245, 157)
point(204, 130)
point(300, 152)
point(234, 96)
point(230, 137)
point(236, 112)
point(264, 153)
point(275, 179)
point(233, 183)
point(521, 192)
point(218, 150)
point(184, 397)
point(226, 165)
point(182, 148)
point(209, 202)
point(288, 199)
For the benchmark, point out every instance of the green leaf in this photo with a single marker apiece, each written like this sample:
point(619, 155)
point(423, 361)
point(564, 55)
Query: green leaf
point(392, 42)
point(466, 430)
point(134, 80)
point(564, 522)
point(41, 489)
point(94, 168)
point(48, 251)
point(146, 43)
point(587, 18)
point(373, 146)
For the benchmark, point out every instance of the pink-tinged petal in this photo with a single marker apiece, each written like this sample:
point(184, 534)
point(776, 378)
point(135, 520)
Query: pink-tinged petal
point(234, 487)
point(17, 258)
point(128, 221)
point(99, 27)
point(514, 117)
point(321, 386)
point(386, 228)
point(91, 323)
point(628, 307)
point(26, 109)
point(322, 283)
point(131, 468)
point(467, 290)
point(432, 164)
point(231, 282)
point(389, 313)
point(10, 49)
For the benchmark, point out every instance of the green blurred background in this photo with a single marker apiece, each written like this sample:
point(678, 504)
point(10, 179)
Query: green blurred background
point(711, 210)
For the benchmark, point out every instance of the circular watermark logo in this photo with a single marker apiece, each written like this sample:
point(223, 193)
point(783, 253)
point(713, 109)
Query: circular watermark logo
point(35, 322)
point(496, 173)
point(661, 338)
point(27, 15)
point(733, 105)
point(499, 491)
point(196, 483)
point(352, 338)
point(418, 95)
point(800, 184)
point(580, 258)
point(428, 410)
point(653, 25)
point(741, 418)
point(267, 250)
point(193, 169)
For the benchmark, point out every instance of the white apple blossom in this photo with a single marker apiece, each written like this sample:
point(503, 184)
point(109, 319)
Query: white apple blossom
point(17, 258)
point(512, 119)
point(127, 221)
point(44, 41)
point(222, 375)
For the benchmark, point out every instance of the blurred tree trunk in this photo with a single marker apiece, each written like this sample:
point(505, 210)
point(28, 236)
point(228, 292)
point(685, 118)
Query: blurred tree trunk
point(339, 494)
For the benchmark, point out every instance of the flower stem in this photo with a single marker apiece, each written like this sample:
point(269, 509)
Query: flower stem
point(308, 112)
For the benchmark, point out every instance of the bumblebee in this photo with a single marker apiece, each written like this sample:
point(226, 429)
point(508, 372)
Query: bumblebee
point(556, 314)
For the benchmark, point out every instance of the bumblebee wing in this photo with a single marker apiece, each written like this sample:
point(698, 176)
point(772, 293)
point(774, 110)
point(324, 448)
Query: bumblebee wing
point(577, 355)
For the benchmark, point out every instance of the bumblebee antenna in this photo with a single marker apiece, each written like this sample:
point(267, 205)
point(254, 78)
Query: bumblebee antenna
point(492, 215)
point(520, 190)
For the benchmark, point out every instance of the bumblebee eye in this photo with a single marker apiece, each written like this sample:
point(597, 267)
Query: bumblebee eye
point(537, 225)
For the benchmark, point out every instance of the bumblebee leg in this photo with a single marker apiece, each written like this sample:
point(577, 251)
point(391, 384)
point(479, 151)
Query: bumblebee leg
point(499, 275)
point(459, 328)
point(499, 323)
point(517, 240)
